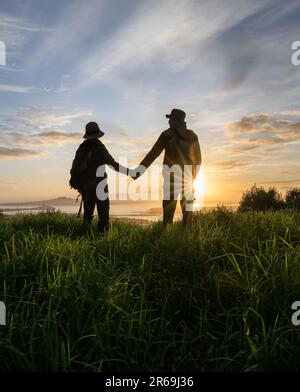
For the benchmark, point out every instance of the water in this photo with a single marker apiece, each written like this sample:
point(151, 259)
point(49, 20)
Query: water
point(129, 211)
point(147, 211)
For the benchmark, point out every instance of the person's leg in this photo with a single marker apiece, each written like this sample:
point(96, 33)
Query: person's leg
point(103, 213)
point(169, 200)
point(169, 207)
point(187, 197)
point(89, 201)
point(187, 211)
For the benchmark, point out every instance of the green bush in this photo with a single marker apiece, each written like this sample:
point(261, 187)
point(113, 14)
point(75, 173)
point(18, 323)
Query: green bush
point(292, 198)
point(261, 199)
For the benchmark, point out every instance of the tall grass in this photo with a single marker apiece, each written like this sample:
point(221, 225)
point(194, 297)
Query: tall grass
point(214, 298)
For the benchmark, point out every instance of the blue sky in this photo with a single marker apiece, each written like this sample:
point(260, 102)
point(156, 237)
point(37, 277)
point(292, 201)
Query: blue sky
point(125, 63)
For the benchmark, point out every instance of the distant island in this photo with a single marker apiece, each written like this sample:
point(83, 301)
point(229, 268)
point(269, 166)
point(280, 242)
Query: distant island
point(59, 201)
point(65, 201)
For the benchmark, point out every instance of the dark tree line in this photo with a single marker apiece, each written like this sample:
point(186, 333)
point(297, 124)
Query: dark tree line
point(261, 199)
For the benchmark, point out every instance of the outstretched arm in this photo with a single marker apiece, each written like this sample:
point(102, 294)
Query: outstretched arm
point(109, 160)
point(151, 156)
point(155, 151)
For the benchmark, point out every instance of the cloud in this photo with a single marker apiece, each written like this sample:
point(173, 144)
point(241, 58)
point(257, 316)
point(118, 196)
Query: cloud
point(75, 22)
point(58, 135)
point(228, 165)
point(131, 142)
point(37, 128)
point(8, 21)
point(45, 138)
point(9, 88)
point(16, 138)
point(41, 118)
point(281, 182)
point(290, 113)
point(12, 185)
point(166, 33)
point(292, 169)
point(16, 32)
point(247, 45)
point(7, 153)
point(274, 149)
point(249, 124)
point(258, 137)
point(267, 130)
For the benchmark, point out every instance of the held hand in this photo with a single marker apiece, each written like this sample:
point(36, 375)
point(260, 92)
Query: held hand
point(137, 175)
point(137, 172)
point(134, 174)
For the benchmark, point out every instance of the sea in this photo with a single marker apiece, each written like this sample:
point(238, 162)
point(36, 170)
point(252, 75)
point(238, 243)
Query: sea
point(149, 212)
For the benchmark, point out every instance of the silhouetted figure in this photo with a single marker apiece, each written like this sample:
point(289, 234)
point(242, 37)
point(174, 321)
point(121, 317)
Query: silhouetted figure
point(182, 148)
point(90, 155)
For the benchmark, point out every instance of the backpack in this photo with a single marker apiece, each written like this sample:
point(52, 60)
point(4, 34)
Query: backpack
point(79, 169)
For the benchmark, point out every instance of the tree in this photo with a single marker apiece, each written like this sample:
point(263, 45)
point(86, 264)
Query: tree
point(292, 198)
point(261, 199)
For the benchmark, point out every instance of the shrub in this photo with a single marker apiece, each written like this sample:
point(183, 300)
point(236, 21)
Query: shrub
point(292, 198)
point(261, 199)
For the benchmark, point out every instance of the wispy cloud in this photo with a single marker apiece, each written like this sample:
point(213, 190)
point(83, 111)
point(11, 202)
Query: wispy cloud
point(46, 138)
point(16, 32)
point(10, 153)
point(42, 118)
point(226, 165)
point(76, 23)
point(281, 182)
point(165, 33)
point(290, 112)
point(9, 88)
point(60, 135)
point(12, 185)
point(37, 128)
point(12, 22)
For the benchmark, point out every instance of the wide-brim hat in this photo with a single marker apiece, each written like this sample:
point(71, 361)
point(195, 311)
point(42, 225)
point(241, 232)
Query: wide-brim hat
point(177, 114)
point(92, 131)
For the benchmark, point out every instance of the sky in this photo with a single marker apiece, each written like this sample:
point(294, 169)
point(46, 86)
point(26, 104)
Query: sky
point(125, 64)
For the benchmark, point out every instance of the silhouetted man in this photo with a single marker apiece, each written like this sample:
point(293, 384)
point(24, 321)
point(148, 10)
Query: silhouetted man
point(181, 165)
point(92, 153)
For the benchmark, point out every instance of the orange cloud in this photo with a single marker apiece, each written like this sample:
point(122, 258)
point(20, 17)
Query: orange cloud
point(7, 153)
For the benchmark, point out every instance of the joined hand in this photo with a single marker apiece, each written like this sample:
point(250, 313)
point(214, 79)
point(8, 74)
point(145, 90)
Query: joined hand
point(134, 174)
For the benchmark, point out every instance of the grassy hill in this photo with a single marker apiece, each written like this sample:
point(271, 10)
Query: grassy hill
point(214, 298)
